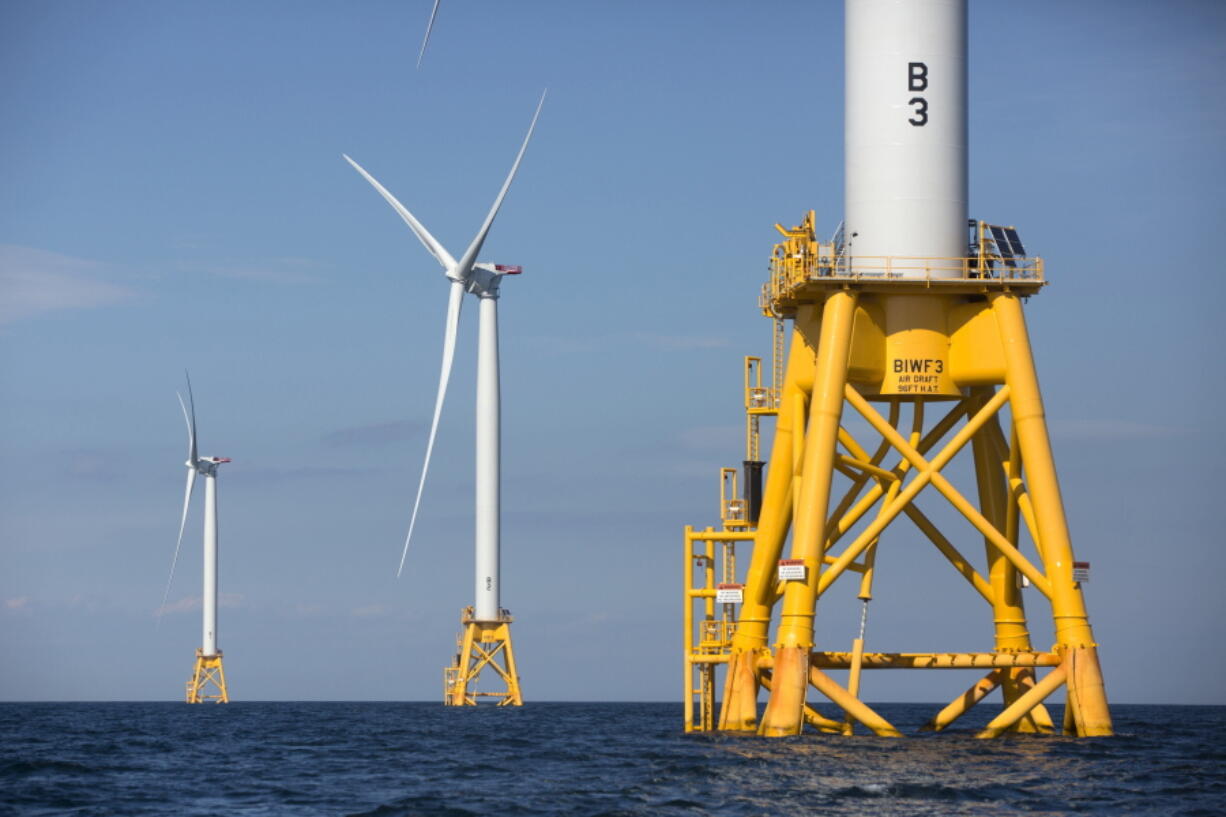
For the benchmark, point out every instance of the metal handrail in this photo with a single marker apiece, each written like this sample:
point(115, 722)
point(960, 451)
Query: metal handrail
point(788, 273)
point(903, 266)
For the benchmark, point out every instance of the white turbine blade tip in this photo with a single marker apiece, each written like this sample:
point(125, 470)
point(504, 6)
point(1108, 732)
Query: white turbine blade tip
point(189, 415)
point(474, 249)
point(429, 28)
point(454, 302)
point(187, 498)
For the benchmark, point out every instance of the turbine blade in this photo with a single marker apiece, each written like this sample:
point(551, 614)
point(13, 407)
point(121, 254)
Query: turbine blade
point(431, 243)
point(429, 28)
point(187, 498)
point(470, 255)
point(455, 300)
point(189, 417)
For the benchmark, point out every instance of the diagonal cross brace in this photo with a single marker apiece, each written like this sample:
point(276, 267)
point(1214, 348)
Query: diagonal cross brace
point(925, 525)
point(926, 473)
point(487, 658)
point(930, 472)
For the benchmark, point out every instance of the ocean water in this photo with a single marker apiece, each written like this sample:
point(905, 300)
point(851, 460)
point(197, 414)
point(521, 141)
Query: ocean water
point(425, 760)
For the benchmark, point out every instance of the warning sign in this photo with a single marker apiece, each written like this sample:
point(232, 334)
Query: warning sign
point(792, 569)
point(729, 593)
point(1081, 571)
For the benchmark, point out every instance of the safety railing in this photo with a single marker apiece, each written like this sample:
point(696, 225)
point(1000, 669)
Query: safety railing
point(716, 636)
point(761, 399)
point(790, 272)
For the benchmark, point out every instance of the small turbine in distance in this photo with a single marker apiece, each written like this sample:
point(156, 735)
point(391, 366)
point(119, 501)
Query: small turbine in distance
point(208, 669)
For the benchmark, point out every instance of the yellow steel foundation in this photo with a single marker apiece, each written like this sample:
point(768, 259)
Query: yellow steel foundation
point(943, 342)
point(208, 682)
point(482, 645)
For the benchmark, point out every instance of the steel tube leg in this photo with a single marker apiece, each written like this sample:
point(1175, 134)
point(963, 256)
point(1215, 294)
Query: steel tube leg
point(740, 701)
point(785, 709)
point(1074, 639)
point(1009, 615)
point(514, 696)
point(687, 574)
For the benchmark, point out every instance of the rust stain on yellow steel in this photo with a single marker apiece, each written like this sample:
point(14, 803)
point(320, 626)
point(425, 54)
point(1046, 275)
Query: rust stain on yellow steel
point(935, 660)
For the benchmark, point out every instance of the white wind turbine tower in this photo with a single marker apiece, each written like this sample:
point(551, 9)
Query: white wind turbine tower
point(208, 671)
point(486, 636)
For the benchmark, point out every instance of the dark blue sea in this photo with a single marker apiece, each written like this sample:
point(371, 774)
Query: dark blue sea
point(424, 760)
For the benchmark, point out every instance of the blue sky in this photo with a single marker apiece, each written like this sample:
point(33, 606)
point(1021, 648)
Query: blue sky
point(172, 196)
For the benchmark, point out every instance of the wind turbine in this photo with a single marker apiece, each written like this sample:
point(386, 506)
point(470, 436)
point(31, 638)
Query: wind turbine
point(486, 624)
point(208, 670)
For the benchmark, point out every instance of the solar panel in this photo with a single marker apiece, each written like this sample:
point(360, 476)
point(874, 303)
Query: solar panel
point(1002, 244)
point(1015, 243)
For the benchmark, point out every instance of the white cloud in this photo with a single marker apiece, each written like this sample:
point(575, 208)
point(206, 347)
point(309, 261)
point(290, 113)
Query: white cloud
point(183, 605)
point(189, 603)
point(271, 271)
point(34, 282)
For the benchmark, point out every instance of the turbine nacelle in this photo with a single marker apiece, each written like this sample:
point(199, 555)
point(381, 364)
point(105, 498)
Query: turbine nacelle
point(207, 465)
point(485, 278)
